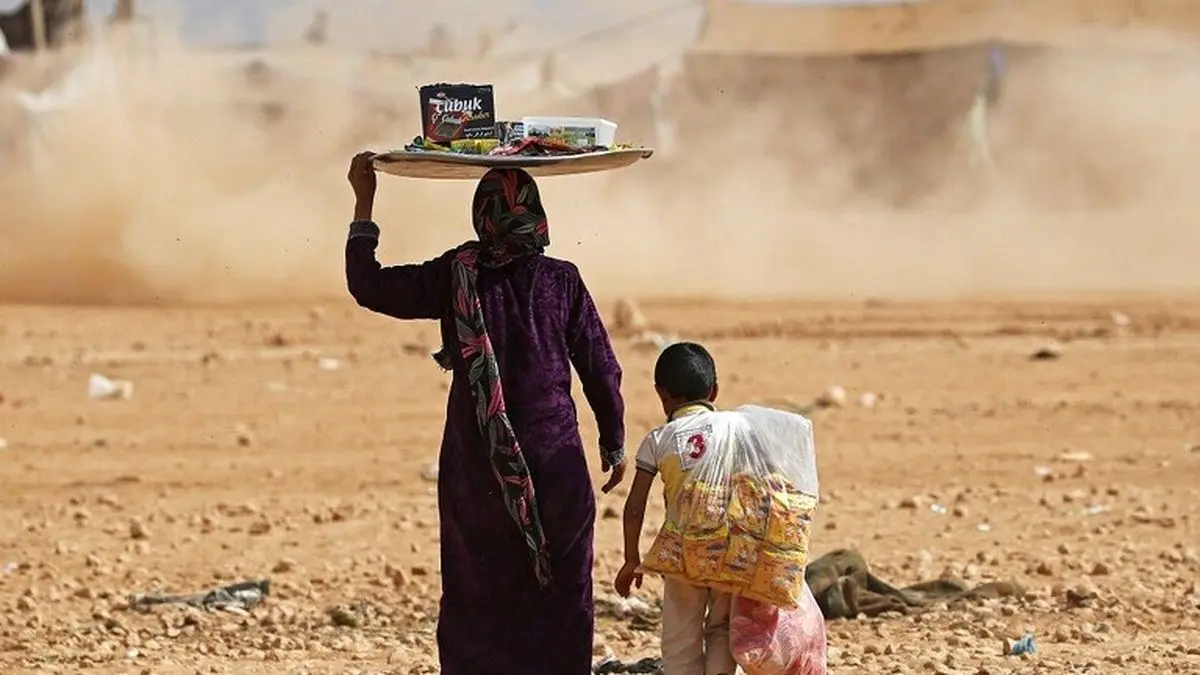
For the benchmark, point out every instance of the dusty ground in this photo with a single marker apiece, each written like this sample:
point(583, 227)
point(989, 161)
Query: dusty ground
point(289, 443)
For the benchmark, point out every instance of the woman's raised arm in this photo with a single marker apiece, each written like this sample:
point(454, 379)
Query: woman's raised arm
point(404, 291)
point(417, 291)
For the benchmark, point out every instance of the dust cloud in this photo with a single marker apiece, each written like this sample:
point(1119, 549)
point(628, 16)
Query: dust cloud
point(184, 184)
point(197, 178)
point(1090, 192)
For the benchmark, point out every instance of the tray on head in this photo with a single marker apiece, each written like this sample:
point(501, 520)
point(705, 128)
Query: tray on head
point(451, 166)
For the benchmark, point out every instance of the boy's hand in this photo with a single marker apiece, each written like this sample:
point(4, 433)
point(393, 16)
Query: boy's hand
point(629, 576)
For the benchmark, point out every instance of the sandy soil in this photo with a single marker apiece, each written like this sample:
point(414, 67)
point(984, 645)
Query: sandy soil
point(289, 442)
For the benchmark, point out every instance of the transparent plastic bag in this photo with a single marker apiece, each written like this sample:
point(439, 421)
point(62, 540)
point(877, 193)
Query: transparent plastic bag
point(767, 640)
point(743, 515)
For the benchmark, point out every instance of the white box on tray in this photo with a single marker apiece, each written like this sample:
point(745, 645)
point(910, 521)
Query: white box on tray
point(575, 131)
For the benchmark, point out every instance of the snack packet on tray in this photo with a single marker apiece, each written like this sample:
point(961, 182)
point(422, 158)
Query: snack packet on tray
point(742, 520)
point(453, 112)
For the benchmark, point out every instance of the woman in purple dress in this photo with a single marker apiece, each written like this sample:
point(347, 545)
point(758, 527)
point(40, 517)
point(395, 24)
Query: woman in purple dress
point(515, 499)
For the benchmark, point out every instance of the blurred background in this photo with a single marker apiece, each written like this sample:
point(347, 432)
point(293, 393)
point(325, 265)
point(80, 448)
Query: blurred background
point(917, 148)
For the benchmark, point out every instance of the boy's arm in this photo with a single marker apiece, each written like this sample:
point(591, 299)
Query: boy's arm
point(635, 515)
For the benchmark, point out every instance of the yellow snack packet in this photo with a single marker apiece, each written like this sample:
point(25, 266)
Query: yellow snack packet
point(474, 146)
point(741, 557)
point(790, 524)
point(749, 506)
point(666, 554)
point(703, 510)
point(703, 559)
point(778, 578)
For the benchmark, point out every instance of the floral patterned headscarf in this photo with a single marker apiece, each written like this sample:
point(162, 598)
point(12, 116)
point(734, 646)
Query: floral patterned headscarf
point(510, 223)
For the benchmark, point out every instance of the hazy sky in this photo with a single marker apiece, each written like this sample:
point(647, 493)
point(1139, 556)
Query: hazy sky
point(395, 23)
point(377, 21)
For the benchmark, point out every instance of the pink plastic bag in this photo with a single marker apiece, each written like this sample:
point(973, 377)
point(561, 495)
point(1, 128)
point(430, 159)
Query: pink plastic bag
point(767, 640)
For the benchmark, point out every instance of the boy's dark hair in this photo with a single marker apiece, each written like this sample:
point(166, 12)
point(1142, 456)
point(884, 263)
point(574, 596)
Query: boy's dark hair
point(686, 371)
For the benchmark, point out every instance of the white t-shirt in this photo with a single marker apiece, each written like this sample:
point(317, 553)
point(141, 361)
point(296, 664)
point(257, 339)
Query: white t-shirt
point(4, 50)
point(776, 438)
point(675, 448)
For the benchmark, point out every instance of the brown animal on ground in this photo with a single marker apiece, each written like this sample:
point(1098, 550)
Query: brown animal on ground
point(845, 588)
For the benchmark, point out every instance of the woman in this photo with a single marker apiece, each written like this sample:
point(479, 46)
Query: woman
point(514, 495)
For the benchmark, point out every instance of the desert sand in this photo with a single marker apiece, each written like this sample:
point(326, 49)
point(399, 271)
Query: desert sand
point(188, 240)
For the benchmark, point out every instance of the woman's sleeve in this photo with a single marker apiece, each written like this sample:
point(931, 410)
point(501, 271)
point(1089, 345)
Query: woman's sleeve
point(405, 291)
point(592, 355)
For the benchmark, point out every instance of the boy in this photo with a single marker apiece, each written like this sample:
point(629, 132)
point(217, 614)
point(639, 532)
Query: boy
point(695, 620)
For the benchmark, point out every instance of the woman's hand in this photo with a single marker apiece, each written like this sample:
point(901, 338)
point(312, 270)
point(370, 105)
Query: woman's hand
point(362, 180)
point(618, 475)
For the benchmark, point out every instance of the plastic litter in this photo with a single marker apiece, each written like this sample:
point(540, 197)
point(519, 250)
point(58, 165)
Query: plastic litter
point(767, 640)
point(647, 665)
point(101, 388)
point(1025, 645)
point(235, 598)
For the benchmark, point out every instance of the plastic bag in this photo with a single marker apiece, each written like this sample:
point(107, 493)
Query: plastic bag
point(767, 640)
point(742, 518)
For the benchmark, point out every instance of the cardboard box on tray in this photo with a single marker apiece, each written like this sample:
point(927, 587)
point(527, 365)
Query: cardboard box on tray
point(577, 132)
point(452, 112)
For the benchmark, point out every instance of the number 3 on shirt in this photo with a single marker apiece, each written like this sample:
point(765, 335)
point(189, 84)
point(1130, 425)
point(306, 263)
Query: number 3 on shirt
point(691, 446)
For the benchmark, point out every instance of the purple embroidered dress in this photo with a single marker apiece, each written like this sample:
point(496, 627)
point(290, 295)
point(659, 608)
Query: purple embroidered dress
point(515, 498)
